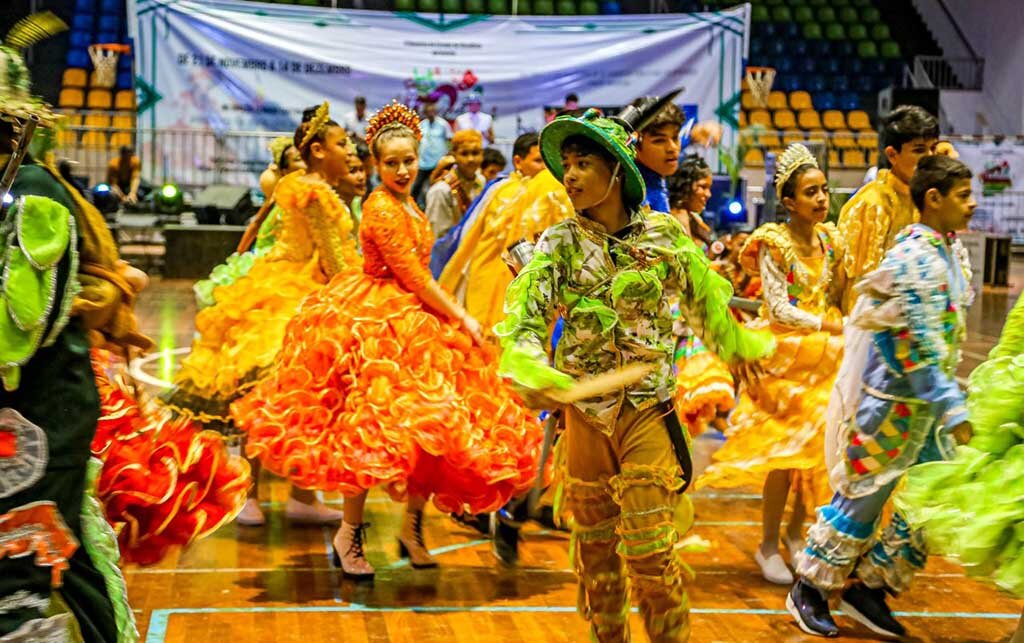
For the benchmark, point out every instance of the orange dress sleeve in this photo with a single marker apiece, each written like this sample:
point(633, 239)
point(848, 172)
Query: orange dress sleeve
point(403, 241)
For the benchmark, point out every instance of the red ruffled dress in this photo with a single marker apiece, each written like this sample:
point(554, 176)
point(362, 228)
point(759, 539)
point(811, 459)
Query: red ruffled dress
point(373, 388)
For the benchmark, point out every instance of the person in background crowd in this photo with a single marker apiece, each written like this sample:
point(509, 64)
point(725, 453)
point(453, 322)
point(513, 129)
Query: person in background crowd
point(354, 122)
point(436, 136)
point(474, 119)
point(124, 175)
point(449, 198)
point(493, 164)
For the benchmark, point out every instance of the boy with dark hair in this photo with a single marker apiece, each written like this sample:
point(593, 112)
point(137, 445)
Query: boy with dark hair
point(657, 153)
point(612, 273)
point(909, 409)
point(871, 219)
point(494, 162)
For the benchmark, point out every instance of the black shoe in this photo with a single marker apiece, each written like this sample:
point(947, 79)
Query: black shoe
point(504, 540)
point(476, 522)
point(867, 607)
point(810, 609)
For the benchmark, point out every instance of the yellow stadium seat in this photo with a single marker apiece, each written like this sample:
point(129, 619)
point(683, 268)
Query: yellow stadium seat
point(125, 99)
point(747, 101)
point(68, 132)
point(800, 100)
point(872, 158)
point(833, 120)
point(94, 139)
point(754, 158)
point(867, 140)
point(123, 122)
point(97, 120)
point(788, 138)
point(761, 117)
point(99, 99)
point(859, 121)
point(777, 100)
point(818, 135)
point(843, 140)
point(854, 158)
point(784, 120)
point(70, 97)
point(833, 158)
point(74, 77)
point(809, 119)
point(743, 118)
point(770, 140)
point(119, 139)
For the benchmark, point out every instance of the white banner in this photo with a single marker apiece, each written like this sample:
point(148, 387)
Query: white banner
point(226, 66)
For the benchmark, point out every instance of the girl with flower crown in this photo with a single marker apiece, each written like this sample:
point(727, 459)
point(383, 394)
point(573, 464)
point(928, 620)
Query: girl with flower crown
point(776, 437)
point(385, 380)
point(238, 337)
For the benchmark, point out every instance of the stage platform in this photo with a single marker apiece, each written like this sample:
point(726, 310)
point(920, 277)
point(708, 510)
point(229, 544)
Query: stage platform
point(277, 584)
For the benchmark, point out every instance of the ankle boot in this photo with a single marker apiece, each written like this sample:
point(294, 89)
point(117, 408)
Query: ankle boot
point(348, 552)
point(410, 542)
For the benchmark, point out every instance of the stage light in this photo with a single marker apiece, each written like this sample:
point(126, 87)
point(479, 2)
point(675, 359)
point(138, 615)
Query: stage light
point(102, 188)
point(169, 191)
point(735, 207)
point(8, 199)
point(732, 212)
point(169, 200)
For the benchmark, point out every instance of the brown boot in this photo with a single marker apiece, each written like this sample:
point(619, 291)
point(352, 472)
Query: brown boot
point(348, 552)
point(410, 542)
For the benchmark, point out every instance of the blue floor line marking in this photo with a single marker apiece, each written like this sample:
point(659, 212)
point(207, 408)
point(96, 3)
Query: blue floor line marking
point(159, 618)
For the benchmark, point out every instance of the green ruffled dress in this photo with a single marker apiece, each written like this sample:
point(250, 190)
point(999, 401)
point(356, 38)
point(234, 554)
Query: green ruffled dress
point(972, 507)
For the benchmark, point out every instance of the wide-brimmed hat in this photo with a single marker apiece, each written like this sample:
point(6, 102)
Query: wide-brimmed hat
point(609, 134)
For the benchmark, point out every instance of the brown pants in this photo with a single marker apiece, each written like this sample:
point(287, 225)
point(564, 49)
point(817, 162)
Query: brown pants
point(622, 490)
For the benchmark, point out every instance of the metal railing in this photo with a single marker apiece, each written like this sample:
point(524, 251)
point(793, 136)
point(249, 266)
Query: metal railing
point(937, 72)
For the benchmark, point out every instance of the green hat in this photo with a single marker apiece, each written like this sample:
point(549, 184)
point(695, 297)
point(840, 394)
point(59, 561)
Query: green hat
point(16, 99)
point(607, 133)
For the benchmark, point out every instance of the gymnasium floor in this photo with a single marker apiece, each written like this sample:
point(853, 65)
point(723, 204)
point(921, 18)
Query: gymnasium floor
point(276, 583)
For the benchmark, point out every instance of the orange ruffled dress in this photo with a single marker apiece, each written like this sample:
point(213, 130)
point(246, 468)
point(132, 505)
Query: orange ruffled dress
point(164, 483)
point(239, 337)
point(779, 422)
point(372, 388)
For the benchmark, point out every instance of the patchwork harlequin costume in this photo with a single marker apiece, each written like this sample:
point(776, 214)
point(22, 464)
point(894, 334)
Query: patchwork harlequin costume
point(914, 307)
point(627, 458)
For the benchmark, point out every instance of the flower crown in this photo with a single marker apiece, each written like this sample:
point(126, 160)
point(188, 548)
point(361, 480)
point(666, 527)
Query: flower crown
point(278, 146)
point(393, 114)
point(316, 124)
point(795, 156)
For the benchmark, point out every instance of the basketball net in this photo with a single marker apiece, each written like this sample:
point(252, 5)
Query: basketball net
point(760, 80)
point(104, 60)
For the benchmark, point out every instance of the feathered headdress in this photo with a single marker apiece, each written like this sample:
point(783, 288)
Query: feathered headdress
point(316, 124)
point(393, 114)
point(795, 156)
point(16, 99)
point(278, 146)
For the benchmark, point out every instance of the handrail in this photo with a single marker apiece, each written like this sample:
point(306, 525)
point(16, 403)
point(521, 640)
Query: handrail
point(959, 32)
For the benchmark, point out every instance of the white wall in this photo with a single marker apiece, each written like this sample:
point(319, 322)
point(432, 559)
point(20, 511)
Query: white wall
point(995, 29)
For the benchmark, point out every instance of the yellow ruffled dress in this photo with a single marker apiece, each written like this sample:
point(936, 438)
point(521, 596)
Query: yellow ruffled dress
point(239, 337)
point(779, 422)
point(522, 208)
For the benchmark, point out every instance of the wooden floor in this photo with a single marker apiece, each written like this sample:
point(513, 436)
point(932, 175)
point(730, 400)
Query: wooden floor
point(277, 584)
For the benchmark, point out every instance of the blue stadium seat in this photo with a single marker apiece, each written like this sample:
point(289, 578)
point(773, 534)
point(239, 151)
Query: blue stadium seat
point(84, 6)
point(107, 37)
point(798, 47)
point(111, 6)
point(819, 48)
point(806, 65)
point(787, 83)
point(840, 83)
point(849, 101)
point(767, 29)
point(865, 84)
point(80, 39)
point(816, 83)
point(777, 48)
point(844, 48)
point(610, 8)
point(782, 65)
point(788, 30)
point(78, 58)
point(855, 66)
point(124, 80)
point(825, 100)
point(124, 63)
point(756, 47)
point(833, 66)
point(874, 67)
point(82, 22)
point(110, 23)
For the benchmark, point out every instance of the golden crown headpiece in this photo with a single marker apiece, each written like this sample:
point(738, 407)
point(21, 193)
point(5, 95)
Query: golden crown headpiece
point(278, 146)
point(795, 156)
point(390, 114)
point(316, 124)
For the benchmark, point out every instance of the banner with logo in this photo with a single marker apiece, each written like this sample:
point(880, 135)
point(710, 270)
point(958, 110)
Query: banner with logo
point(230, 66)
point(998, 167)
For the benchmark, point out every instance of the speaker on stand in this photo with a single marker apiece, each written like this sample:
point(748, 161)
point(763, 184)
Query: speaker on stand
point(224, 204)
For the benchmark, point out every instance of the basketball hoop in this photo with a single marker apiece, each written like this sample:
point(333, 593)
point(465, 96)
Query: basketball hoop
point(759, 80)
point(104, 59)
